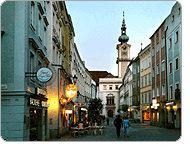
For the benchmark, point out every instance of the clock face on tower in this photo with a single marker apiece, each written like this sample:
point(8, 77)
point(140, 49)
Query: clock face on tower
point(124, 47)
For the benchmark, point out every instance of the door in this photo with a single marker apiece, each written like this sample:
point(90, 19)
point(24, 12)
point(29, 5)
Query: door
point(110, 113)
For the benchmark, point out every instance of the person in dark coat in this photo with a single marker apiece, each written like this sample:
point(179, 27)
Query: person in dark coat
point(118, 124)
point(108, 121)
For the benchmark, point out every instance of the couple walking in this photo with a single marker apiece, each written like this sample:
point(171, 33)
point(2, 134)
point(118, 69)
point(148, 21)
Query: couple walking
point(118, 123)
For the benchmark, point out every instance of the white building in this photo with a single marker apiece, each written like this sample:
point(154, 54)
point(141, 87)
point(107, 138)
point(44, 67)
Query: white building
point(109, 94)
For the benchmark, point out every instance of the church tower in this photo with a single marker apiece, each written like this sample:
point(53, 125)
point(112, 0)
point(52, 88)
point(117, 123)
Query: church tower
point(123, 49)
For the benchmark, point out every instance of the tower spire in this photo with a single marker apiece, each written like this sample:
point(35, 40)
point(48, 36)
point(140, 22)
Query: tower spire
point(123, 38)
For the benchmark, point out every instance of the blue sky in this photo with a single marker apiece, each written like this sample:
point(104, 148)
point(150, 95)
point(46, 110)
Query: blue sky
point(97, 26)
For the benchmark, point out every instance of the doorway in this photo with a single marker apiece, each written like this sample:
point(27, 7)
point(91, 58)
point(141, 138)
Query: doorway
point(110, 113)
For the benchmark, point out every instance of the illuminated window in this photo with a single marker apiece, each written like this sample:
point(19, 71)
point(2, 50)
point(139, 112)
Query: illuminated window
point(104, 87)
point(157, 116)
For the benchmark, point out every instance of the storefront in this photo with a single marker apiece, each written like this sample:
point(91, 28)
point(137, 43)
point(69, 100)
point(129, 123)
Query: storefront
point(37, 120)
point(145, 113)
point(173, 114)
point(155, 115)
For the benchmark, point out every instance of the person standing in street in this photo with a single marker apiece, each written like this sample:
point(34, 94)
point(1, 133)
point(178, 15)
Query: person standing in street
point(118, 123)
point(108, 121)
point(126, 126)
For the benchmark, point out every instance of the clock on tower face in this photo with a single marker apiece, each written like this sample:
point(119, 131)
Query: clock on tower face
point(124, 47)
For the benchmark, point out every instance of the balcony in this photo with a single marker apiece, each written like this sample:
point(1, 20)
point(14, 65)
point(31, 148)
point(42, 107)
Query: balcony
point(110, 106)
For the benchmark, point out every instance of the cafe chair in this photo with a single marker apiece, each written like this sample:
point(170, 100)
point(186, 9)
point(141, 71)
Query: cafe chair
point(101, 129)
point(73, 131)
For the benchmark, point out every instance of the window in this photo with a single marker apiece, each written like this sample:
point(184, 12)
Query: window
point(57, 59)
point(110, 87)
point(153, 72)
point(145, 97)
point(138, 69)
point(158, 69)
point(149, 61)
point(32, 17)
point(142, 84)
point(176, 64)
point(142, 66)
point(157, 116)
point(39, 25)
point(170, 67)
point(157, 47)
point(145, 63)
point(31, 61)
point(163, 89)
point(158, 91)
point(134, 70)
point(134, 84)
point(153, 93)
point(149, 77)
point(179, 11)
point(45, 36)
point(171, 92)
point(163, 65)
point(54, 54)
point(138, 83)
point(149, 97)
point(153, 51)
point(176, 36)
point(163, 42)
point(142, 101)
point(173, 18)
point(116, 87)
point(170, 42)
point(146, 80)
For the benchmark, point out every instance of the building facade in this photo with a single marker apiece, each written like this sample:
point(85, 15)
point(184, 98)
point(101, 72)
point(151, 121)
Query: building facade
point(173, 53)
point(135, 95)
point(145, 83)
point(24, 49)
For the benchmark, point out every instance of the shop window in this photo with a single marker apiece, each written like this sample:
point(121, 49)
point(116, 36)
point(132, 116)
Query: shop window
point(157, 116)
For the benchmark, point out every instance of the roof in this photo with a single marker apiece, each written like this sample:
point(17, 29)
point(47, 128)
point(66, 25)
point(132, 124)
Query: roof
point(101, 74)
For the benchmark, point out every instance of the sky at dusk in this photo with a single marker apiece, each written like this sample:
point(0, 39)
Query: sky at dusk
point(97, 26)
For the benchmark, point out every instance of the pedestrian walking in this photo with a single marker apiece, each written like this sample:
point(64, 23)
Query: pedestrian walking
point(118, 124)
point(108, 121)
point(103, 119)
point(126, 126)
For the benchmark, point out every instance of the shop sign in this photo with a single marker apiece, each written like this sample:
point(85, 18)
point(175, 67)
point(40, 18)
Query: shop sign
point(45, 104)
point(34, 102)
point(69, 111)
point(40, 92)
point(44, 74)
point(38, 103)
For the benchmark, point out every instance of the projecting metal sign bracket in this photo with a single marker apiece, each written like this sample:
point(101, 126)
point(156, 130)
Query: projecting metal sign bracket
point(30, 74)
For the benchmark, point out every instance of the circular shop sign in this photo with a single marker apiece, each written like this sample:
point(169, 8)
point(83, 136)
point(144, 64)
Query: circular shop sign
point(44, 74)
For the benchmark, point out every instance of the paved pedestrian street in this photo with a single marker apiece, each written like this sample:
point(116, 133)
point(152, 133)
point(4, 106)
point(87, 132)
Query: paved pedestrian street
point(137, 132)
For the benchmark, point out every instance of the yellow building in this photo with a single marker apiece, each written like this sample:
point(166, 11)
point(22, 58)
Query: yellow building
point(67, 32)
point(145, 83)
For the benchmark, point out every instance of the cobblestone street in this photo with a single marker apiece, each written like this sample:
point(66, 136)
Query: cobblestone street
point(137, 132)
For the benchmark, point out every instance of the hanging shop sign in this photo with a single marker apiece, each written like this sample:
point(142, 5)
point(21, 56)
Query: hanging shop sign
point(71, 91)
point(40, 92)
point(44, 74)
